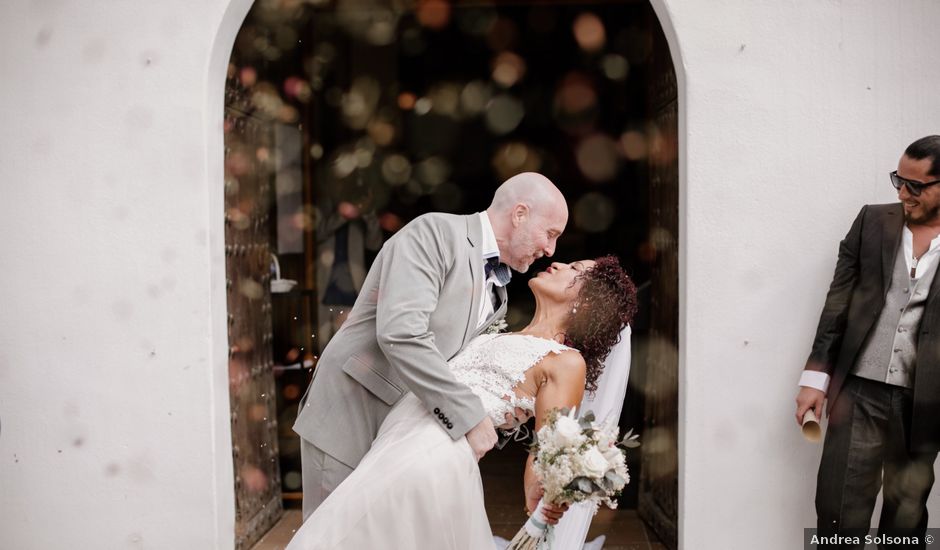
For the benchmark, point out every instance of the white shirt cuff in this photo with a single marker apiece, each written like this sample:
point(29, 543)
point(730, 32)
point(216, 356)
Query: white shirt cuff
point(815, 379)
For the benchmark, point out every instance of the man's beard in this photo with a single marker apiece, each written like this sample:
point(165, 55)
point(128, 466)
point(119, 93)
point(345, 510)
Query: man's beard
point(929, 216)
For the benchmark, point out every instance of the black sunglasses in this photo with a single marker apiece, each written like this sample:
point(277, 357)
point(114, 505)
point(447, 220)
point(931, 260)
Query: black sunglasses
point(914, 187)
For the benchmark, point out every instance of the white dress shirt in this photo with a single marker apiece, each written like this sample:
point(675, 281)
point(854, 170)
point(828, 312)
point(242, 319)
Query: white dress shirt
point(820, 380)
point(489, 248)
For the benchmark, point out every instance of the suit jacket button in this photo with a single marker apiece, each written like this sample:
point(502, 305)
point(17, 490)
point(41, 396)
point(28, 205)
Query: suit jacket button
point(450, 426)
point(437, 411)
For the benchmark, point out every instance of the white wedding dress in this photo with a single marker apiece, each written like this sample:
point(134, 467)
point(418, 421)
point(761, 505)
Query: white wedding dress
point(417, 488)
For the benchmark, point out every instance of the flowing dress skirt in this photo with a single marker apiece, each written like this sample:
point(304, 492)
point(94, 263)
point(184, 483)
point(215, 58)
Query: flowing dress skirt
point(415, 489)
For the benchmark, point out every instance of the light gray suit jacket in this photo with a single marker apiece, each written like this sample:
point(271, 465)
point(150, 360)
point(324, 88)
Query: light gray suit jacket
point(418, 307)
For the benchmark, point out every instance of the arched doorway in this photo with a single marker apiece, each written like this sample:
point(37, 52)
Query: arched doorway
point(342, 124)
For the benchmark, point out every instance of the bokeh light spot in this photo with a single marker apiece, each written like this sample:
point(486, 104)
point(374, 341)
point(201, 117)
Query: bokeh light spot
point(615, 67)
point(434, 14)
point(594, 212)
point(597, 157)
point(504, 113)
point(396, 169)
point(589, 32)
point(474, 97)
point(293, 480)
point(633, 144)
point(508, 69)
point(406, 101)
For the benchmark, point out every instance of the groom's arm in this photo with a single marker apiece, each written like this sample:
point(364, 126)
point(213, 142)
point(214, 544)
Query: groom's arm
point(413, 273)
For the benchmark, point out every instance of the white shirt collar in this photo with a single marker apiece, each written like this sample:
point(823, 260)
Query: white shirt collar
point(925, 261)
point(489, 247)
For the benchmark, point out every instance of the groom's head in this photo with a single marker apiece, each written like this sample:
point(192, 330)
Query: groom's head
point(528, 214)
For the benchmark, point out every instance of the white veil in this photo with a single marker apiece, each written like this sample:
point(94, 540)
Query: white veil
point(606, 403)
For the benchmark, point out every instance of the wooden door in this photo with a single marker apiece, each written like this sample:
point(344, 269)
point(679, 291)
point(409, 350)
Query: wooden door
point(249, 217)
point(659, 476)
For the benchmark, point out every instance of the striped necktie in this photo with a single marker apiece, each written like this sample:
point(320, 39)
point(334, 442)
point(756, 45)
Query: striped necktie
point(493, 265)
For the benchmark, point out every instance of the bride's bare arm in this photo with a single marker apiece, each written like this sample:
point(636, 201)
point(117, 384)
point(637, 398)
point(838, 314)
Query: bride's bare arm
point(563, 386)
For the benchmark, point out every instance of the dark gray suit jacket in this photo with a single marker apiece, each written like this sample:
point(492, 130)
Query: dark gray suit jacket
point(419, 305)
point(853, 304)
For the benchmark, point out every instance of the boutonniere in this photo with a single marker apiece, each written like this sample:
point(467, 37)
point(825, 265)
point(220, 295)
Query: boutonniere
point(497, 327)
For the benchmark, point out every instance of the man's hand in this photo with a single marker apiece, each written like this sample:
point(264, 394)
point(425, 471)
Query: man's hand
point(513, 419)
point(809, 398)
point(482, 437)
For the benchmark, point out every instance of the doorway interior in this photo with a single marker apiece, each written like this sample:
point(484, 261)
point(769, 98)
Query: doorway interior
point(345, 120)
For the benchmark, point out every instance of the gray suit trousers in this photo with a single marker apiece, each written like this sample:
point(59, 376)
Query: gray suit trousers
point(321, 475)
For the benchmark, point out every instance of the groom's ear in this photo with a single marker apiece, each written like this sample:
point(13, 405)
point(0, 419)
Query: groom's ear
point(520, 214)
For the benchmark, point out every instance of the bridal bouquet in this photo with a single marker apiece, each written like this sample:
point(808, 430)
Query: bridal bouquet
point(576, 460)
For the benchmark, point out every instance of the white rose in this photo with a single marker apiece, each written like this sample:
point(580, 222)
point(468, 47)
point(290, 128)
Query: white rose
point(567, 431)
point(595, 465)
point(610, 452)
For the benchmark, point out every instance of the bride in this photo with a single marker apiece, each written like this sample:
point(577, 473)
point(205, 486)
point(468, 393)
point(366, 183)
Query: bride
point(417, 488)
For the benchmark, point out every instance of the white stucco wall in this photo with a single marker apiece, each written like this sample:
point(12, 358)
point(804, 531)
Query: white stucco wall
point(792, 115)
point(113, 366)
point(113, 381)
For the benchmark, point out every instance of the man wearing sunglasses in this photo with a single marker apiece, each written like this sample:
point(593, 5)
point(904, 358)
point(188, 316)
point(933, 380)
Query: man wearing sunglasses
point(876, 358)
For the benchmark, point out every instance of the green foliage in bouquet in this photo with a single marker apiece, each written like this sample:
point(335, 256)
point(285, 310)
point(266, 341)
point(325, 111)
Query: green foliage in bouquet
point(576, 459)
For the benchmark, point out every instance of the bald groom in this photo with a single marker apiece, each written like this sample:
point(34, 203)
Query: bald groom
point(435, 285)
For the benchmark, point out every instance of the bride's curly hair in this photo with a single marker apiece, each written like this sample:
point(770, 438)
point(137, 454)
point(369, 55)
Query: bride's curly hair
point(605, 304)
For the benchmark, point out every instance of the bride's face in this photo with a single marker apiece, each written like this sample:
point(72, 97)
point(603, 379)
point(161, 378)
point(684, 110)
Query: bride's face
point(560, 282)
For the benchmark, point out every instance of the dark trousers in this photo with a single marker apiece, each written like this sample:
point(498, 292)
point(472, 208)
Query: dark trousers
point(867, 442)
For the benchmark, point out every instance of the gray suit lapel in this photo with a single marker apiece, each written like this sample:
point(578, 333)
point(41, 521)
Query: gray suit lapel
point(890, 242)
point(475, 265)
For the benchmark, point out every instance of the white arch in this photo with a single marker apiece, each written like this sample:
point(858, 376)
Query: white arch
point(219, 56)
point(663, 14)
point(234, 16)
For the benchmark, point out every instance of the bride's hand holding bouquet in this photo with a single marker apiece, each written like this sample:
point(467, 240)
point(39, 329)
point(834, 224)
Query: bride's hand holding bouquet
point(575, 460)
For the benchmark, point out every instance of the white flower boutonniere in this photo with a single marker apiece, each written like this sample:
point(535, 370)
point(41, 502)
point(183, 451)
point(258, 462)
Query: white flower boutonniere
point(497, 328)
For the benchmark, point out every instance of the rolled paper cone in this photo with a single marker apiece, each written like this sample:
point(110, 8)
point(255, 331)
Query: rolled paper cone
point(811, 429)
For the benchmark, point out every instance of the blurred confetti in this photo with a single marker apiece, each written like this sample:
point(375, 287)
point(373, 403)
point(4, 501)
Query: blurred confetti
point(396, 169)
point(589, 32)
point(432, 171)
point(254, 478)
point(575, 103)
point(598, 157)
point(504, 113)
point(508, 69)
point(615, 67)
point(515, 157)
point(405, 107)
point(633, 144)
point(594, 212)
point(434, 14)
point(474, 97)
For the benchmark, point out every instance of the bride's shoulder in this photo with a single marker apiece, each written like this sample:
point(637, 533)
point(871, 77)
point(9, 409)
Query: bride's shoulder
point(567, 364)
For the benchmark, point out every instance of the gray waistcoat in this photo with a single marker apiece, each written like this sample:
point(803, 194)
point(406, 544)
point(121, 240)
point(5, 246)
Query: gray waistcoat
point(888, 354)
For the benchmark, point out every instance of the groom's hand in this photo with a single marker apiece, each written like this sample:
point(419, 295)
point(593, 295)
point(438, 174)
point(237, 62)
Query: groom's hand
point(809, 398)
point(482, 437)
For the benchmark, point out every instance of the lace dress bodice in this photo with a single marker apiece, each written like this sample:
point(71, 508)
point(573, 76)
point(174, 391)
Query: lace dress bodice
point(492, 365)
